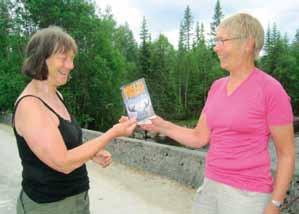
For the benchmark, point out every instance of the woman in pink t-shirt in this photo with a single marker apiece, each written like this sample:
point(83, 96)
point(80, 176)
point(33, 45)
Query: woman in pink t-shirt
point(241, 113)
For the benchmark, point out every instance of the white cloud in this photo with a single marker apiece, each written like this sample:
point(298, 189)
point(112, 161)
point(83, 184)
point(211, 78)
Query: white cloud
point(172, 36)
point(124, 11)
point(165, 16)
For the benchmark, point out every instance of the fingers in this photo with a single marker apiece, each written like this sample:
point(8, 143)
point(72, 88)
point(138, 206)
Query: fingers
point(106, 162)
point(131, 121)
point(103, 158)
point(131, 125)
point(123, 119)
point(125, 127)
point(157, 120)
point(148, 127)
point(132, 128)
point(103, 153)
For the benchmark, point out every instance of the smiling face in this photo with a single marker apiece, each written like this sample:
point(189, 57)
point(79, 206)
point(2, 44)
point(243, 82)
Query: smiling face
point(60, 65)
point(231, 50)
point(239, 39)
point(44, 50)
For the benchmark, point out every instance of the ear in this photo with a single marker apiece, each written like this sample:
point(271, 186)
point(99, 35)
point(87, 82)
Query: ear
point(250, 45)
point(47, 61)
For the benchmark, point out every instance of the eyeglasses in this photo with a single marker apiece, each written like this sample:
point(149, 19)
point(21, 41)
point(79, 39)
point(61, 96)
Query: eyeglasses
point(221, 41)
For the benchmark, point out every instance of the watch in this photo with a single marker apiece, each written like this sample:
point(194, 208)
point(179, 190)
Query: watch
point(277, 204)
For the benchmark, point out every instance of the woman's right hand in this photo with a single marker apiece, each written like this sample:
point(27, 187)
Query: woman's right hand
point(103, 158)
point(157, 125)
point(125, 127)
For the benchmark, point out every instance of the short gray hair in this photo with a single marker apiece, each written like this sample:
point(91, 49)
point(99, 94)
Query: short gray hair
point(244, 26)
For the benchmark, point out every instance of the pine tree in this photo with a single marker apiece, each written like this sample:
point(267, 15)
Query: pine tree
point(184, 67)
point(144, 34)
point(182, 39)
point(218, 15)
point(162, 79)
point(297, 36)
point(126, 43)
point(295, 73)
point(144, 51)
point(268, 41)
point(199, 39)
point(187, 26)
point(4, 28)
point(295, 45)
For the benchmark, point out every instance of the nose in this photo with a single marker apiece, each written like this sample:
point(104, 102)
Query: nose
point(216, 47)
point(69, 63)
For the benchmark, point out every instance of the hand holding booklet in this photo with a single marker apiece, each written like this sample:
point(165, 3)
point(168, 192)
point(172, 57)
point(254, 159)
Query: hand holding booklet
point(137, 101)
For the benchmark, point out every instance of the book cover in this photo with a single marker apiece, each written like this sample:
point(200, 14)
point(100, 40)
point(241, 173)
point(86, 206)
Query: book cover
point(137, 101)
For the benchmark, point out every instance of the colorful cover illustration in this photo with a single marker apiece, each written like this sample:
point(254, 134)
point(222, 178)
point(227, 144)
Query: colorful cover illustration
point(137, 101)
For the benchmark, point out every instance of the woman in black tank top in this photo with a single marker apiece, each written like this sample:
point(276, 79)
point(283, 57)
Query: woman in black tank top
point(49, 140)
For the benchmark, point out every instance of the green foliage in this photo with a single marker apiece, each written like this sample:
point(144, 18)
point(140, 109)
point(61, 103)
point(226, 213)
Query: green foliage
point(281, 61)
point(108, 56)
point(161, 82)
point(11, 44)
point(195, 69)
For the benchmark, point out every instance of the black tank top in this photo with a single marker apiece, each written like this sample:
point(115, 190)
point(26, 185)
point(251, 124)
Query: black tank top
point(42, 183)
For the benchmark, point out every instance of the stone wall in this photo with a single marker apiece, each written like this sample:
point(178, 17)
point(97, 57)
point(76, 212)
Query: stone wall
point(183, 165)
point(5, 117)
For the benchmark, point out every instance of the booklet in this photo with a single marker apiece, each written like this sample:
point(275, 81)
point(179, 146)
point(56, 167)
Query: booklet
point(137, 101)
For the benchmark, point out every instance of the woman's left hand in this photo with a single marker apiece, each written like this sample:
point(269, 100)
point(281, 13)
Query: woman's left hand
point(271, 209)
point(103, 158)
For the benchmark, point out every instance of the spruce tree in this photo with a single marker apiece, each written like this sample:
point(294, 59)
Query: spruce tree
point(218, 15)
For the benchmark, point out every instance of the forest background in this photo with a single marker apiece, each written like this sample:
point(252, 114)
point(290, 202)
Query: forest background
point(109, 56)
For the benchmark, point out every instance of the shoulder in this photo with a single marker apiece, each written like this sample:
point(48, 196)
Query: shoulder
point(267, 82)
point(30, 107)
point(29, 111)
point(217, 84)
point(29, 102)
point(267, 86)
point(219, 81)
point(273, 91)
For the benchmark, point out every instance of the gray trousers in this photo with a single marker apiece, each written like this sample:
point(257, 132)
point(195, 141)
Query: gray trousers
point(217, 198)
point(77, 204)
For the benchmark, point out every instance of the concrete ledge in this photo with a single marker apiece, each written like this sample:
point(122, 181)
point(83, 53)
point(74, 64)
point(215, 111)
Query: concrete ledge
point(183, 165)
point(5, 117)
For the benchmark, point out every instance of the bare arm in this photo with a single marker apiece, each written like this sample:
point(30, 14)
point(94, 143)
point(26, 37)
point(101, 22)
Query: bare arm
point(196, 137)
point(283, 137)
point(37, 126)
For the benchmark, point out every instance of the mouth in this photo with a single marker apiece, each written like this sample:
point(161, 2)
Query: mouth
point(221, 58)
point(63, 73)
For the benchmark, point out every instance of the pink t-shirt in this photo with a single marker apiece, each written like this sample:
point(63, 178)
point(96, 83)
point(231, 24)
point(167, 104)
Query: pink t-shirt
point(238, 154)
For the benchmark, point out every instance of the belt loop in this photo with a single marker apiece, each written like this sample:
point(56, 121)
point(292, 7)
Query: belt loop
point(85, 195)
point(21, 200)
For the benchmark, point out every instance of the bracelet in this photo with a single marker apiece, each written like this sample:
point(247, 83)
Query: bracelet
point(277, 204)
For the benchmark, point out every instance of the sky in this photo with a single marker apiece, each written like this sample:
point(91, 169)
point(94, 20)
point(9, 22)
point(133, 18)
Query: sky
point(164, 16)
